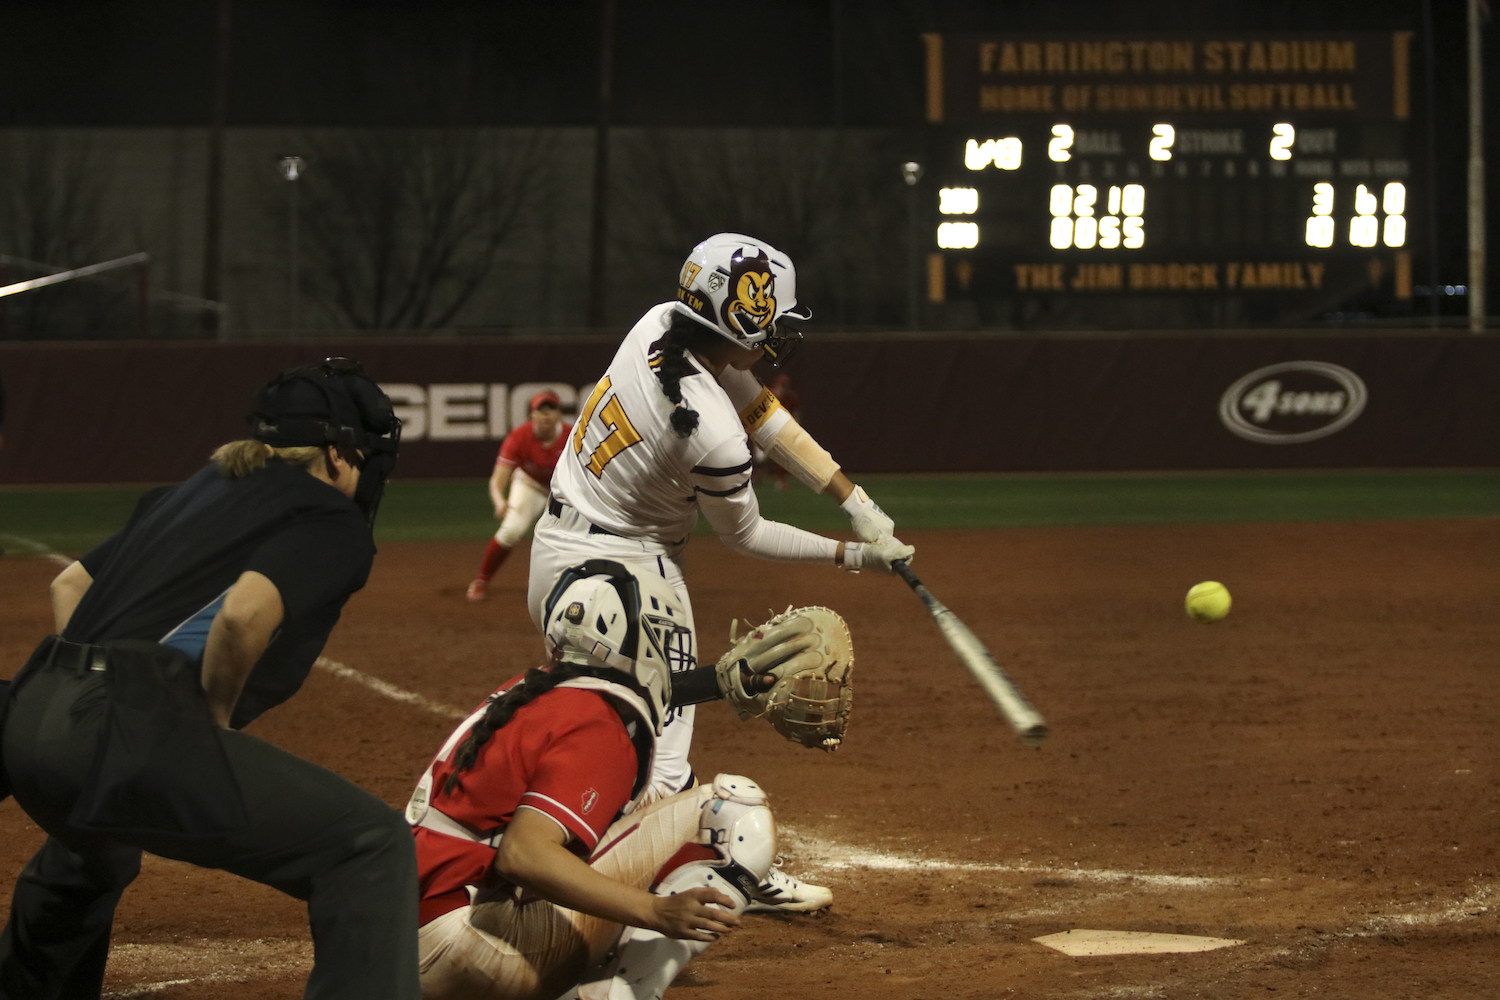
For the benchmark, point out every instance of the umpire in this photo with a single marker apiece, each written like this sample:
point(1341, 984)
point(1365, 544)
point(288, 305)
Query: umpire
point(206, 610)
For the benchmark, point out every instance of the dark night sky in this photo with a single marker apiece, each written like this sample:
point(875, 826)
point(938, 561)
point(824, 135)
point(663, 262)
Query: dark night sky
point(344, 62)
point(535, 62)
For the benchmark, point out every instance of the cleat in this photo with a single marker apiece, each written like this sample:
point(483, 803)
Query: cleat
point(475, 591)
point(783, 893)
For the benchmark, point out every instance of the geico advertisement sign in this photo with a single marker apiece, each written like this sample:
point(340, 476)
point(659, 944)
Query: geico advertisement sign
point(471, 411)
point(1293, 402)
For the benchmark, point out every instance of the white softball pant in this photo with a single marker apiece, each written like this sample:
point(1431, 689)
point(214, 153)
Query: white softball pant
point(565, 541)
point(523, 505)
point(536, 950)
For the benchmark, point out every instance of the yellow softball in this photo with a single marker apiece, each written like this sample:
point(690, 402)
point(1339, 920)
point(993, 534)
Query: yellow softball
point(1207, 602)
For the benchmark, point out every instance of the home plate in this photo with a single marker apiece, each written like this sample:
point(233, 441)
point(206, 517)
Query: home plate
point(1080, 941)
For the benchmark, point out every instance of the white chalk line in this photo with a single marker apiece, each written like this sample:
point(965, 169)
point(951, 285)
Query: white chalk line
point(142, 990)
point(821, 854)
point(826, 855)
point(231, 958)
point(27, 547)
point(390, 690)
point(1474, 903)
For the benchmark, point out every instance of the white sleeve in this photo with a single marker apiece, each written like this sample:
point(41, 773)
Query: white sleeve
point(741, 387)
point(721, 482)
point(760, 411)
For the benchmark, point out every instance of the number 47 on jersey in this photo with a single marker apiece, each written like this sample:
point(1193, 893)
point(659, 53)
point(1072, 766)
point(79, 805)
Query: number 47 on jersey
point(622, 433)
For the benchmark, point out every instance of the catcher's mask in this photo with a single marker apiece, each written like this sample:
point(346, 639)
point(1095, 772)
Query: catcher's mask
point(334, 403)
point(623, 624)
point(743, 289)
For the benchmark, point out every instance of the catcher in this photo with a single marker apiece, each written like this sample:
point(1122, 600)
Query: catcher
point(543, 865)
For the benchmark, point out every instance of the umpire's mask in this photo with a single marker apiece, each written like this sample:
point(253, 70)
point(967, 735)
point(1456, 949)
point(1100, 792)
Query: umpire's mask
point(333, 403)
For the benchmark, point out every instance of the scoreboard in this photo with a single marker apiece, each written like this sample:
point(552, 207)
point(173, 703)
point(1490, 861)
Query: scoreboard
point(1170, 180)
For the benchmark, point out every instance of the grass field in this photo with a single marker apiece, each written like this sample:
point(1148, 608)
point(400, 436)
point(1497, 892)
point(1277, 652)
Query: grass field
point(71, 519)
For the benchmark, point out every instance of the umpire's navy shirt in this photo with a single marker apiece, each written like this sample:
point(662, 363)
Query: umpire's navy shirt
point(164, 576)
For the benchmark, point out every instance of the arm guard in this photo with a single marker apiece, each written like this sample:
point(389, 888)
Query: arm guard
point(795, 451)
point(786, 443)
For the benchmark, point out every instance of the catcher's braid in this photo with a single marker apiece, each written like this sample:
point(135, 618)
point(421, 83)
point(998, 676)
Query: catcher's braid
point(537, 683)
point(810, 656)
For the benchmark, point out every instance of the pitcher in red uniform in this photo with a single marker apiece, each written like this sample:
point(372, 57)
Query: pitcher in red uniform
point(524, 467)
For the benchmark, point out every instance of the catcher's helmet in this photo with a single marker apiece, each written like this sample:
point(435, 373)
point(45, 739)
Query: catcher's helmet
point(623, 624)
point(333, 403)
point(741, 287)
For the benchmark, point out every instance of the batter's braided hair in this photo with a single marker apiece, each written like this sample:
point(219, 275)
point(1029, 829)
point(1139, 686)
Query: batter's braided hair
point(538, 682)
point(682, 335)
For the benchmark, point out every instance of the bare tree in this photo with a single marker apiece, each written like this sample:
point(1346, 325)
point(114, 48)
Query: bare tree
point(831, 199)
point(52, 191)
point(402, 226)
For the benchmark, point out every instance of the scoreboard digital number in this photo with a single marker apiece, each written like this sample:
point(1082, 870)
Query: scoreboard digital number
point(1176, 180)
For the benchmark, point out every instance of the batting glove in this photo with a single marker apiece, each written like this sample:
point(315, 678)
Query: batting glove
point(869, 521)
point(876, 555)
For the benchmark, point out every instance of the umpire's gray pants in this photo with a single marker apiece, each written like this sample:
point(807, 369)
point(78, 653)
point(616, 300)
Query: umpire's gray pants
point(312, 834)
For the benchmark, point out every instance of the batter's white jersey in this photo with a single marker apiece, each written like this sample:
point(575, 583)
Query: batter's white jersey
point(626, 473)
point(626, 470)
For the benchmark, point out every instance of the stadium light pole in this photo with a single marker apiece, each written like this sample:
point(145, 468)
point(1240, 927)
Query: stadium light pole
point(1434, 262)
point(911, 172)
point(1476, 170)
point(599, 217)
point(291, 169)
point(213, 230)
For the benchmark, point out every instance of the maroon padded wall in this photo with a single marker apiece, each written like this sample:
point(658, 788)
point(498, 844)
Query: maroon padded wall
point(141, 412)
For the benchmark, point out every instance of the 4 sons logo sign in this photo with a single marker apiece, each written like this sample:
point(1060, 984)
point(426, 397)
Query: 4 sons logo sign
point(1293, 402)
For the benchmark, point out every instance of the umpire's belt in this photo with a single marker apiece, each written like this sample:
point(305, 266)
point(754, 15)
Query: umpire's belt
point(77, 656)
point(54, 651)
point(555, 508)
point(160, 766)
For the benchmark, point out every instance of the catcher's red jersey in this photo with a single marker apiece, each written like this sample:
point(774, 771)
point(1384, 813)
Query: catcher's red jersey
point(521, 449)
point(566, 754)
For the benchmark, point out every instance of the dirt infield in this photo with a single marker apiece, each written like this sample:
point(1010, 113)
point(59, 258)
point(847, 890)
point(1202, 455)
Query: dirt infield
point(1315, 775)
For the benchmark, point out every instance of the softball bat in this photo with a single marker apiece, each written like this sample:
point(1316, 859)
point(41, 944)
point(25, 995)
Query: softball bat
point(1013, 705)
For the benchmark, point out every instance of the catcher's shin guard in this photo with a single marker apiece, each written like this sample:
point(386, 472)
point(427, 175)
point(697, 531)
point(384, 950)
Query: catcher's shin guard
point(645, 962)
point(737, 825)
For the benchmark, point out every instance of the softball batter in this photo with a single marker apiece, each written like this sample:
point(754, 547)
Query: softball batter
point(518, 486)
point(663, 437)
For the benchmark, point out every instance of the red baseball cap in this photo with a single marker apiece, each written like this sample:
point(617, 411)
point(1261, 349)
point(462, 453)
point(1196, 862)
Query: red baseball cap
point(545, 396)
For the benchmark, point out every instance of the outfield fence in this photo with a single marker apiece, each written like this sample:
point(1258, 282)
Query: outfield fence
point(152, 411)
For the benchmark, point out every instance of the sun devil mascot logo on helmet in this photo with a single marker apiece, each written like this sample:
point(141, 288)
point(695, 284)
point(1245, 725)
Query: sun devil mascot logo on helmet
point(752, 290)
point(749, 301)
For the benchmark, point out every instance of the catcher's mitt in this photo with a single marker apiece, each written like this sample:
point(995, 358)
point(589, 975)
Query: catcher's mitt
point(809, 658)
